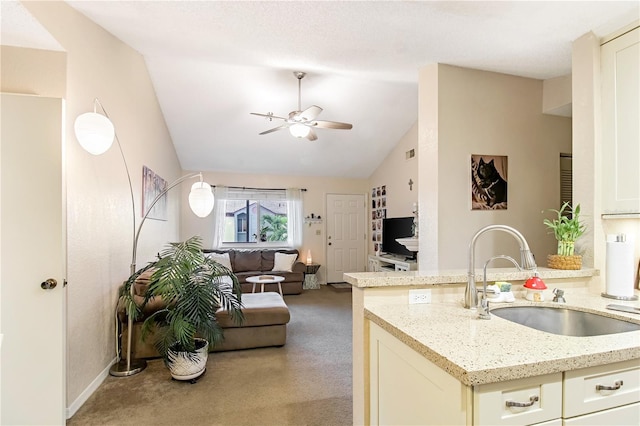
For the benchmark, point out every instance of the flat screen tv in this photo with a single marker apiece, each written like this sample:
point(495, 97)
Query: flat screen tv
point(396, 227)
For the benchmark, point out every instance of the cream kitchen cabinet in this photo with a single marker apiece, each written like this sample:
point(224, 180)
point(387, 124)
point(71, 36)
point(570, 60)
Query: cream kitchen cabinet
point(606, 394)
point(407, 388)
point(620, 66)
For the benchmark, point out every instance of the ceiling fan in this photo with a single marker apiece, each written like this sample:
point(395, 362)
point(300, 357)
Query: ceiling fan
point(301, 123)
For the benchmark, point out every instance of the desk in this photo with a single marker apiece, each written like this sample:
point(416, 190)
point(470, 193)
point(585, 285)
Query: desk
point(310, 279)
point(265, 279)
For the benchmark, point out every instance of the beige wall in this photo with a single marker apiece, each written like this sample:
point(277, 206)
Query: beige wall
point(395, 172)
point(556, 96)
point(22, 71)
point(314, 200)
point(99, 222)
point(481, 112)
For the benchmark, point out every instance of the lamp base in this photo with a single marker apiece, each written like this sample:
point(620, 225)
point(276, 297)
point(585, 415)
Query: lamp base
point(120, 368)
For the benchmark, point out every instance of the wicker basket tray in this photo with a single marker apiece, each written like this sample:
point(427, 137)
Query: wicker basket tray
point(555, 261)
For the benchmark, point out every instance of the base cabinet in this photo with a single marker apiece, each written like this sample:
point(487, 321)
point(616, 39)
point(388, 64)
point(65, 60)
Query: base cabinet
point(406, 388)
point(518, 402)
point(625, 415)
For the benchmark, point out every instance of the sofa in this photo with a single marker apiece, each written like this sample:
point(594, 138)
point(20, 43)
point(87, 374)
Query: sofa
point(266, 314)
point(265, 324)
point(247, 263)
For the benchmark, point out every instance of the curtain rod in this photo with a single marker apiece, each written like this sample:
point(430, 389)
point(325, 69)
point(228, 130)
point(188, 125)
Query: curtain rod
point(258, 189)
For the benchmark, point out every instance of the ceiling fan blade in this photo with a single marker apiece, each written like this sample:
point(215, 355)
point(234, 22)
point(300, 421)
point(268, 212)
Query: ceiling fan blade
point(312, 135)
point(309, 114)
point(284, 126)
point(330, 125)
point(270, 116)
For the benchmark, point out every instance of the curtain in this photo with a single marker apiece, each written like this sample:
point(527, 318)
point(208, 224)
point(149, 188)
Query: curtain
point(221, 195)
point(295, 213)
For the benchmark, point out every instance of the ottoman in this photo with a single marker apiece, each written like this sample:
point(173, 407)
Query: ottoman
point(265, 323)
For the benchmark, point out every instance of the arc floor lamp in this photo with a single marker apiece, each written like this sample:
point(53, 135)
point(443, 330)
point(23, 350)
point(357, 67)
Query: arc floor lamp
point(95, 133)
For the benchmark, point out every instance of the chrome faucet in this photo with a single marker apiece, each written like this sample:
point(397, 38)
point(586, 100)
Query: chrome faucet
point(483, 306)
point(527, 260)
point(558, 296)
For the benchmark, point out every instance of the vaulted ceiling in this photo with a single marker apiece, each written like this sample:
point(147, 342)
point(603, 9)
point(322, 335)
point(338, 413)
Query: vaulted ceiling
point(214, 62)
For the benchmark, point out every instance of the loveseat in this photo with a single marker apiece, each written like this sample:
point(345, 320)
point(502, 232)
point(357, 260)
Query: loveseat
point(254, 262)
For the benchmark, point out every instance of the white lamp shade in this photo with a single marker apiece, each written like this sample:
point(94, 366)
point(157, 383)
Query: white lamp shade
point(299, 130)
point(201, 199)
point(94, 132)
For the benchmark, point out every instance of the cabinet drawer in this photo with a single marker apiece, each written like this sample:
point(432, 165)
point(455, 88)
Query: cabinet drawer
point(583, 393)
point(542, 396)
point(626, 415)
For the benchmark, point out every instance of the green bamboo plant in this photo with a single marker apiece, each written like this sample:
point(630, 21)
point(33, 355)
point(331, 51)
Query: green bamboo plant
point(566, 227)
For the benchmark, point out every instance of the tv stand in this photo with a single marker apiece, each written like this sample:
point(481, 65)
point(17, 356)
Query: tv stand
point(387, 263)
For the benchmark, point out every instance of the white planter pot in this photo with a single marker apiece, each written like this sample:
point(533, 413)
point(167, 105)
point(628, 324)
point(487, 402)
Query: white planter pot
point(188, 366)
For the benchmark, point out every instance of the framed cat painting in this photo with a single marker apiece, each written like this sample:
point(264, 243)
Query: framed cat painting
point(488, 182)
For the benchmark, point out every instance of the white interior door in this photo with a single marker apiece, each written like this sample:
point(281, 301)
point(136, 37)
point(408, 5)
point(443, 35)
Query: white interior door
point(346, 237)
point(32, 227)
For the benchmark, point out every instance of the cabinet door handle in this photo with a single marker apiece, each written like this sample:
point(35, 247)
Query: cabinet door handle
point(617, 385)
point(532, 400)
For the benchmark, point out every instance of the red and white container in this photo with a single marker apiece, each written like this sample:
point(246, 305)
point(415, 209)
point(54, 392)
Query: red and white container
point(535, 289)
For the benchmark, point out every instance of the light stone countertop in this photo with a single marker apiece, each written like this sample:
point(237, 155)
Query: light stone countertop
point(479, 351)
point(456, 276)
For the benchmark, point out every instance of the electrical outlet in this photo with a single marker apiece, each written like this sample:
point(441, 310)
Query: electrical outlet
point(419, 296)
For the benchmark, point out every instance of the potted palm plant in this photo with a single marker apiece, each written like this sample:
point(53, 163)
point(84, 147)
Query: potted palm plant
point(567, 228)
point(192, 287)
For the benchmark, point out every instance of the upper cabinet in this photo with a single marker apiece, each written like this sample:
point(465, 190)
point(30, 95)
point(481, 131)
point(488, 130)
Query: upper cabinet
point(620, 63)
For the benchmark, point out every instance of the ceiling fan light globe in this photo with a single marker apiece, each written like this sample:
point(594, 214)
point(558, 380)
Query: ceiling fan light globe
point(299, 130)
point(201, 199)
point(94, 132)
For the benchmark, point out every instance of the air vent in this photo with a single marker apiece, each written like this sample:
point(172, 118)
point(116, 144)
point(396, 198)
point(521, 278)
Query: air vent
point(410, 154)
point(566, 179)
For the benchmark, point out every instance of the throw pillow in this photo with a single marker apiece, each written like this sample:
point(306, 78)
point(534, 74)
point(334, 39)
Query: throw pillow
point(284, 262)
point(221, 258)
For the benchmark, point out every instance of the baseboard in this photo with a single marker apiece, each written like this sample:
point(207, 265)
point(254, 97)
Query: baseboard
point(341, 286)
point(93, 386)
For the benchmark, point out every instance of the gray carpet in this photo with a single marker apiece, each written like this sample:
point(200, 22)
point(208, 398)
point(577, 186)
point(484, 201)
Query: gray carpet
point(341, 286)
point(306, 382)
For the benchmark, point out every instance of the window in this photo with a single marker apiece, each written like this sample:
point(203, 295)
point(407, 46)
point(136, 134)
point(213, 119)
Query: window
point(250, 221)
point(260, 217)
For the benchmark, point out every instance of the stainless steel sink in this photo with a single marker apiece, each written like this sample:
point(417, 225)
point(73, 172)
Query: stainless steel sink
point(564, 321)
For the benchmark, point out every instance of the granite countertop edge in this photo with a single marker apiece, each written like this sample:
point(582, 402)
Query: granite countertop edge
point(456, 276)
point(474, 351)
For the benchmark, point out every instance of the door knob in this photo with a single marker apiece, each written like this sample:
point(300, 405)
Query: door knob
point(49, 284)
point(329, 243)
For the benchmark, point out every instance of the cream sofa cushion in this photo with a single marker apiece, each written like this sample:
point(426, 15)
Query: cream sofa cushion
point(284, 262)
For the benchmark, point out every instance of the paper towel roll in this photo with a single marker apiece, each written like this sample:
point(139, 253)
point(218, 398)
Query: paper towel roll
point(619, 266)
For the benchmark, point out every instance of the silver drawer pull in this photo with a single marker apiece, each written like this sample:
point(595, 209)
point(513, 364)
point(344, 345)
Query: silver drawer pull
point(532, 401)
point(617, 385)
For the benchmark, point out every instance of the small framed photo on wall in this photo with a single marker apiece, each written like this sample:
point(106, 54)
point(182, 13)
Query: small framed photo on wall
point(489, 182)
point(152, 186)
